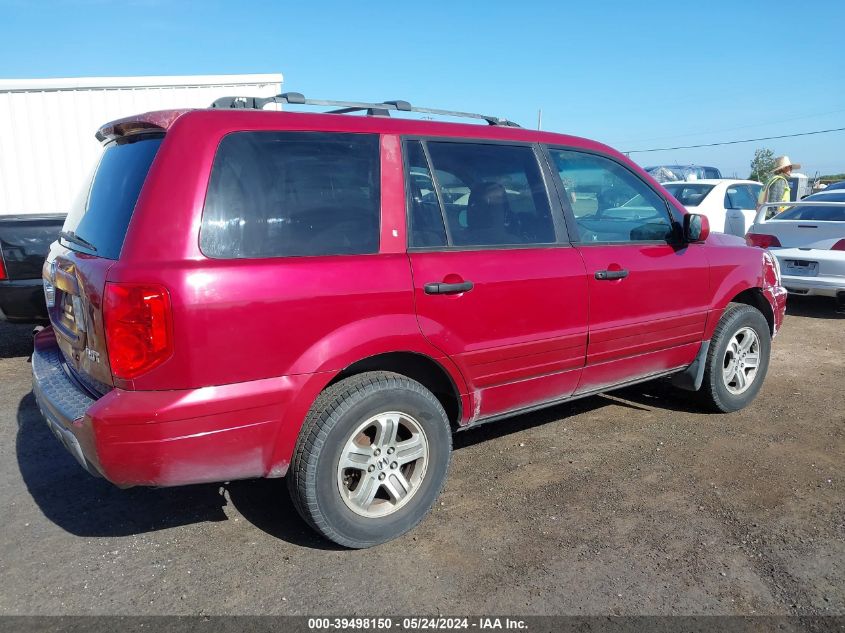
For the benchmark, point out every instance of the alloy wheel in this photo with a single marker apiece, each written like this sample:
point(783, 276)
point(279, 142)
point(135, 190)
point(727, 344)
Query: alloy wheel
point(382, 464)
point(742, 359)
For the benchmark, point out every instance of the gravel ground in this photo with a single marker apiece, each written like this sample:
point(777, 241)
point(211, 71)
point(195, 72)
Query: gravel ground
point(629, 503)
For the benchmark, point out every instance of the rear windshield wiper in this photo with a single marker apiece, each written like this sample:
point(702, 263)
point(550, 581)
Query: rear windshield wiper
point(70, 236)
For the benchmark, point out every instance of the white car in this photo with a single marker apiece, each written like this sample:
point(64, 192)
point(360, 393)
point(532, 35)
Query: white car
point(730, 205)
point(808, 241)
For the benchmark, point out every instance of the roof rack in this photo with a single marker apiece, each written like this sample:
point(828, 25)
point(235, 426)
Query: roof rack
point(345, 107)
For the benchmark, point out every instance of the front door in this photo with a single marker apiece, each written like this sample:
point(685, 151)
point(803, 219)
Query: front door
point(498, 288)
point(648, 290)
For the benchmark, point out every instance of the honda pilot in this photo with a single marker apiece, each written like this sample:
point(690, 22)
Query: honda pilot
point(241, 292)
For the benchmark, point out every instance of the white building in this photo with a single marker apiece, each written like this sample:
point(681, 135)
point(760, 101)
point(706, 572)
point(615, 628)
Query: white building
point(47, 126)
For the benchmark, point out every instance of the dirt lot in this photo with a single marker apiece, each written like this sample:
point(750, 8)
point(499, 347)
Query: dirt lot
point(630, 503)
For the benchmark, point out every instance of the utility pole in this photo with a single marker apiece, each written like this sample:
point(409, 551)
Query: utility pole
point(539, 118)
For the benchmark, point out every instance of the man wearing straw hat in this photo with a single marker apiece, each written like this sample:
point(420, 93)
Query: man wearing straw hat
point(777, 189)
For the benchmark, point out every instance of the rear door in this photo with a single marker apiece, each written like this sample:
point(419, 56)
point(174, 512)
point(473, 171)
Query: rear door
point(92, 238)
point(648, 291)
point(497, 286)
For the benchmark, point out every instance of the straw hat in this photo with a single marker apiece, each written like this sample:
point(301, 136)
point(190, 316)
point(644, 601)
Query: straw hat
point(783, 162)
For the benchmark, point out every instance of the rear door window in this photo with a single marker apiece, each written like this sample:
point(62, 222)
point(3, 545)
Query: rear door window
point(100, 216)
point(288, 194)
point(426, 221)
point(491, 194)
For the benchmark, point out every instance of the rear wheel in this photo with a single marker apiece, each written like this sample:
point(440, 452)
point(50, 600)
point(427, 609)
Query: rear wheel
point(737, 360)
point(371, 459)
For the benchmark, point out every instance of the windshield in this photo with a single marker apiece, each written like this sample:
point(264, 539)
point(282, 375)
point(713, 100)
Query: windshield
point(814, 212)
point(687, 194)
point(98, 220)
point(675, 173)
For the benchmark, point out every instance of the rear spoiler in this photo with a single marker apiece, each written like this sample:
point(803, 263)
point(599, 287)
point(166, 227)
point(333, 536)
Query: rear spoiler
point(147, 122)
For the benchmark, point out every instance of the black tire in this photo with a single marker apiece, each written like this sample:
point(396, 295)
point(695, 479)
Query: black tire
point(714, 392)
point(313, 474)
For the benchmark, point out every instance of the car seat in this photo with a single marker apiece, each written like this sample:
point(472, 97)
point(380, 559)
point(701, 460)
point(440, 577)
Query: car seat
point(487, 210)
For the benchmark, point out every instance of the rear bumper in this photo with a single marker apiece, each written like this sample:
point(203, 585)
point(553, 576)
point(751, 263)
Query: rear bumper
point(60, 402)
point(830, 278)
point(22, 301)
point(163, 438)
point(829, 286)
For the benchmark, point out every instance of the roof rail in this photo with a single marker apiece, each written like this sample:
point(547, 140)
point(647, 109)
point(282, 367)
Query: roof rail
point(345, 107)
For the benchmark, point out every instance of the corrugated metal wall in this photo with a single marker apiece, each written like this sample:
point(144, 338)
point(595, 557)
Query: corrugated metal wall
point(47, 142)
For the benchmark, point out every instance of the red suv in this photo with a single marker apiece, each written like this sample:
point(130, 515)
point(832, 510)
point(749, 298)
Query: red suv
point(249, 293)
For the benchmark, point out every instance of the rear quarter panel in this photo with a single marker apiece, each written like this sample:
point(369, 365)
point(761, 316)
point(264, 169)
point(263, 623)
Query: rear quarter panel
point(238, 320)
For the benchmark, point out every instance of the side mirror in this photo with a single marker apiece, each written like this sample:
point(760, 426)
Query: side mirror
point(696, 227)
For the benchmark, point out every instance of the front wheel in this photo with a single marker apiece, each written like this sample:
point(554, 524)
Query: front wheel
point(371, 459)
point(737, 360)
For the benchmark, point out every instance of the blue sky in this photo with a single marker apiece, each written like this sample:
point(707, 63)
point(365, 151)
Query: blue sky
point(635, 75)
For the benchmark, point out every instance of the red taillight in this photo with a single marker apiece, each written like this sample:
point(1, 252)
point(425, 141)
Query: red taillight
point(139, 328)
point(2, 268)
point(839, 246)
point(762, 240)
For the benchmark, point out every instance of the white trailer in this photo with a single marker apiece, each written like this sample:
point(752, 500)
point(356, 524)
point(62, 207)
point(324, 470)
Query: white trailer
point(47, 126)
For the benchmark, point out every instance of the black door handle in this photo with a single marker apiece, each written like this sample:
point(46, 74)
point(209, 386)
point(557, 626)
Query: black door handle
point(605, 275)
point(440, 288)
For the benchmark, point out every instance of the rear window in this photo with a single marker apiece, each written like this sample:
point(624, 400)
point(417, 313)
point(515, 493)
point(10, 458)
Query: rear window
point(101, 213)
point(286, 194)
point(815, 212)
point(687, 194)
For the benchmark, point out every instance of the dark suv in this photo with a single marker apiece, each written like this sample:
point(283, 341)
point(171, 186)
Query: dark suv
point(250, 293)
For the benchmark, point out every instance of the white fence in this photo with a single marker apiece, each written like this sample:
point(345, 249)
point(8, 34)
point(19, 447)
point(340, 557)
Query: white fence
point(47, 126)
